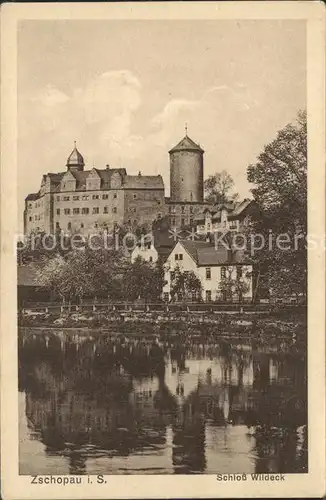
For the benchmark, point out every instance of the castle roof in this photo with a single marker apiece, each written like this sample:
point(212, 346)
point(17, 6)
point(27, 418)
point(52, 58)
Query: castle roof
point(32, 196)
point(186, 144)
point(143, 182)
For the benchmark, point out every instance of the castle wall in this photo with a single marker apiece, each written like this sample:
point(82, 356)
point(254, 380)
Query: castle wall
point(144, 206)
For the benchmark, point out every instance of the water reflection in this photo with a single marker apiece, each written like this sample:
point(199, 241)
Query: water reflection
point(129, 405)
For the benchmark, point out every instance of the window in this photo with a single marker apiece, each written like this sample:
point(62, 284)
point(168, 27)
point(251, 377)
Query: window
point(75, 198)
point(95, 196)
point(239, 272)
point(58, 198)
point(114, 195)
point(151, 259)
point(82, 225)
point(159, 215)
point(223, 272)
point(75, 211)
point(105, 197)
point(135, 196)
point(135, 222)
point(105, 210)
point(96, 210)
point(166, 296)
point(208, 273)
point(183, 209)
point(30, 219)
point(114, 210)
point(178, 256)
point(69, 225)
point(183, 222)
point(58, 211)
point(67, 211)
point(96, 225)
point(233, 224)
point(172, 275)
point(208, 295)
point(66, 198)
point(173, 221)
point(85, 197)
point(57, 225)
point(134, 209)
point(85, 210)
point(191, 209)
point(31, 206)
point(129, 221)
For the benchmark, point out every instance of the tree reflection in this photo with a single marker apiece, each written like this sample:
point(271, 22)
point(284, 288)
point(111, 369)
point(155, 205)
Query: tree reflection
point(116, 396)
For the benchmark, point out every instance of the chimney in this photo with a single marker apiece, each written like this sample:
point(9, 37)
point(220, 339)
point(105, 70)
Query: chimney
point(107, 167)
point(139, 173)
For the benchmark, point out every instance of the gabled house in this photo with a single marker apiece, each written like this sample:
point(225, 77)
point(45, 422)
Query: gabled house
point(230, 216)
point(224, 275)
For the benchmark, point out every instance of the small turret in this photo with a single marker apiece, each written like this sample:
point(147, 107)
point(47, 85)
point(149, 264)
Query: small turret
point(75, 160)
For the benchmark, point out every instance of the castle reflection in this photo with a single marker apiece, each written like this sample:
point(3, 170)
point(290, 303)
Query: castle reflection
point(156, 406)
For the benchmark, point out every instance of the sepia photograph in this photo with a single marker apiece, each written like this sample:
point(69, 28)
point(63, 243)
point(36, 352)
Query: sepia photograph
point(161, 249)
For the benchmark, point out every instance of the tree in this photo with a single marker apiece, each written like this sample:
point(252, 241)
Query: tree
point(143, 280)
point(83, 273)
point(280, 188)
point(233, 288)
point(219, 188)
point(185, 285)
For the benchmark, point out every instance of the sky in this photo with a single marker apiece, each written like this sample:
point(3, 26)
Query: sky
point(125, 89)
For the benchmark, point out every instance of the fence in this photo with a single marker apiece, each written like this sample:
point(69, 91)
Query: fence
point(200, 307)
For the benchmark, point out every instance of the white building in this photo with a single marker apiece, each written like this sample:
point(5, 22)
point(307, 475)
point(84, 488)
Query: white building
point(146, 251)
point(154, 246)
point(211, 265)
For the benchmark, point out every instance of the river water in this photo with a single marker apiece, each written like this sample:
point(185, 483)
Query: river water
point(115, 404)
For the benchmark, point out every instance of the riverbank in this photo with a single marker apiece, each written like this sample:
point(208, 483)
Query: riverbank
point(220, 325)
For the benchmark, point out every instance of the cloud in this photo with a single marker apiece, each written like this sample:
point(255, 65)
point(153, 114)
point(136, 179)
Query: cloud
point(51, 97)
point(99, 115)
point(172, 110)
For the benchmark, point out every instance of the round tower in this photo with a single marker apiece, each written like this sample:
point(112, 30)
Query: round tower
point(186, 171)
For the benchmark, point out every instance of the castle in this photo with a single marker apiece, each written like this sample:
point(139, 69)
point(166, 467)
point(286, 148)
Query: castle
point(85, 201)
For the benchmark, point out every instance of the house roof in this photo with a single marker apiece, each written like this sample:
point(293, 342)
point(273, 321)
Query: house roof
point(205, 254)
point(27, 275)
point(186, 144)
point(192, 247)
point(241, 207)
point(235, 210)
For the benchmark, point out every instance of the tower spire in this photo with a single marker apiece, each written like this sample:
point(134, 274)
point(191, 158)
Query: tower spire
point(186, 129)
